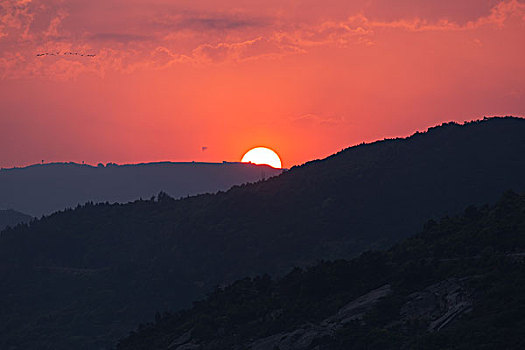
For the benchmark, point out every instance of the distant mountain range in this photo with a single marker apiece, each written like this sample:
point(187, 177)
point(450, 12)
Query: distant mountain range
point(84, 277)
point(45, 188)
point(12, 218)
point(459, 284)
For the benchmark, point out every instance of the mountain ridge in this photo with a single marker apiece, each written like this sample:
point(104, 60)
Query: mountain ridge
point(440, 288)
point(45, 188)
point(10, 217)
point(118, 263)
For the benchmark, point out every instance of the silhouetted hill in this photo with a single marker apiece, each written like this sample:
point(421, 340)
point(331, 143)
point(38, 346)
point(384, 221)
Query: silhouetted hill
point(12, 218)
point(45, 188)
point(82, 278)
point(460, 284)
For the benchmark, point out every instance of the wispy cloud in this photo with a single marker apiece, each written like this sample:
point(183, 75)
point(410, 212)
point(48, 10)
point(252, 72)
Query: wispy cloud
point(190, 36)
point(499, 14)
point(119, 37)
point(245, 50)
point(15, 18)
point(316, 119)
point(53, 29)
point(190, 20)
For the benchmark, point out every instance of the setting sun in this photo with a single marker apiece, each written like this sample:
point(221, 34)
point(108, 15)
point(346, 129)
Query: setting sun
point(262, 155)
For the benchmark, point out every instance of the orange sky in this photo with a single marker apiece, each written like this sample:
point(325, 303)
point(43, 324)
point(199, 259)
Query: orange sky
point(306, 78)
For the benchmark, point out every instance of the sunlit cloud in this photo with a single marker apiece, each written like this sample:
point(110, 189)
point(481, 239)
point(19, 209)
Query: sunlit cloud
point(316, 119)
point(187, 73)
point(190, 36)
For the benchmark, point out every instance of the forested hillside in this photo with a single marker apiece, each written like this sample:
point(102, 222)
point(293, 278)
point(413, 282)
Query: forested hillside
point(9, 217)
point(459, 284)
point(84, 277)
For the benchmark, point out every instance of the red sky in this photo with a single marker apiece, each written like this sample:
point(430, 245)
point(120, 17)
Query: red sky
point(304, 77)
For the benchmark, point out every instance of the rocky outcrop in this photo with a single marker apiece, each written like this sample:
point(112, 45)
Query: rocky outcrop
point(356, 309)
point(438, 304)
point(303, 337)
point(181, 341)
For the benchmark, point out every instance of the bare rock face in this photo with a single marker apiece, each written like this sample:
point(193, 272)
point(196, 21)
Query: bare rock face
point(181, 341)
point(439, 304)
point(300, 338)
point(356, 309)
point(303, 337)
point(189, 346)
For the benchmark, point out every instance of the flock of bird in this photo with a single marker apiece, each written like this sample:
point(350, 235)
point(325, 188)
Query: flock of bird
point(67, 53)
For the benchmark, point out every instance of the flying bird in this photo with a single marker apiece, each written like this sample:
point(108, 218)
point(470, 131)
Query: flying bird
point(65, 54)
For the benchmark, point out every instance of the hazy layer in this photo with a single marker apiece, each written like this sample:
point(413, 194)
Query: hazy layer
point(43, 189)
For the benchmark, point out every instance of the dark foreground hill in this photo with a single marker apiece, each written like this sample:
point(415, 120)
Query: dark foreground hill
point(82, 278)
point(12, 218)
point(460, 284)
point(45, 188)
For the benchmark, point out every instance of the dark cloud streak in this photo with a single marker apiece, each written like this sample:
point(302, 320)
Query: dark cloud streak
point(222, 23)
point(210, 22)
point(120, 37)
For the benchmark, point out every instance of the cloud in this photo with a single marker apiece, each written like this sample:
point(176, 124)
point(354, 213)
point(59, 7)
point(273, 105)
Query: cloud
point(316, 119)
point(119, 37)
point(245, 50)
point(160, 36)
point(15, 18)
point(210, 21)
point(498, 15)
point(502, 12)
point(52, 30)
point(221, 23)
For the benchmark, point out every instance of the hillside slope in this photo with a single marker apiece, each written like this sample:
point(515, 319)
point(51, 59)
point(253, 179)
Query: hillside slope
point(82, 278)
point(45, 188)
point(12, 218)
point(459, 284)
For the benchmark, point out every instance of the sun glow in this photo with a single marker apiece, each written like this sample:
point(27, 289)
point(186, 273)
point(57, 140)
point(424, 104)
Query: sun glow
point(262, 155)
